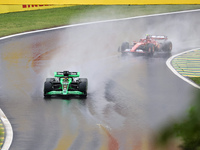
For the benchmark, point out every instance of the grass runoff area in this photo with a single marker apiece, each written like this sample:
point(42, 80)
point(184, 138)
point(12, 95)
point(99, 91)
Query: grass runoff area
point(17, 22)
point(196, 80)
point(188, 129)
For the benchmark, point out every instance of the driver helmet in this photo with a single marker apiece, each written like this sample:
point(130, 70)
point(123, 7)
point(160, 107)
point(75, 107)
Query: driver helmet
point(147, 36)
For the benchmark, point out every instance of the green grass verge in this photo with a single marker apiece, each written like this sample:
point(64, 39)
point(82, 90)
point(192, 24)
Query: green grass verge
point(17, 22)
point(196, 80)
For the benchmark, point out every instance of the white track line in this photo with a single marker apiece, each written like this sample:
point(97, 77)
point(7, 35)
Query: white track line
point(9, 132)
point(168, 63)
point(89, 23)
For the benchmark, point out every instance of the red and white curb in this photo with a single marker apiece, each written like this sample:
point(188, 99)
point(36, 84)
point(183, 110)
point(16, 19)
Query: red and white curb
point(8, 131)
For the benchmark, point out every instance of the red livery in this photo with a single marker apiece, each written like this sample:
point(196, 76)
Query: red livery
point(147, 46)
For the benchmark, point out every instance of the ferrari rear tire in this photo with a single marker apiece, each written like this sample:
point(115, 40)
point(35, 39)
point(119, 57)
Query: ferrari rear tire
point(83, 86)
point(47, 88)
point(167, 46)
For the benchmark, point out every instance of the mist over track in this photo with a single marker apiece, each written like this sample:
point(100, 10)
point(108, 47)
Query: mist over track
point(129, 99)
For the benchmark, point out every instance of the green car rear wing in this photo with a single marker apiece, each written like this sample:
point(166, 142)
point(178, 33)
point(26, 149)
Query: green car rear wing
point(66, 74)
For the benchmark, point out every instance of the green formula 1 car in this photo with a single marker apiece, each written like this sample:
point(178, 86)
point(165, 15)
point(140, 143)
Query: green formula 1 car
point(66, 83)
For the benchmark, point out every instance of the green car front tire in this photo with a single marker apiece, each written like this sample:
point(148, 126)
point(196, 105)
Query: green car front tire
point(83, 86)
point(47, 88)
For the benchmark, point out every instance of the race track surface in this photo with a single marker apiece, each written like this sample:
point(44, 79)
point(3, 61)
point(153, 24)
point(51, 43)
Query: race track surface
point(129, 99)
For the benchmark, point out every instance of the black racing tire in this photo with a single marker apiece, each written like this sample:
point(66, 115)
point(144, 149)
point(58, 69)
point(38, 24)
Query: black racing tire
point(150, 49)
point(167, 46)
point(47, 88)
point(124, 46)
point(83, 86)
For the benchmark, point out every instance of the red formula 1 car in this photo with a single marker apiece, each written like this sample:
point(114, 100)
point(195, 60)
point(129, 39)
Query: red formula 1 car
point(147, 46)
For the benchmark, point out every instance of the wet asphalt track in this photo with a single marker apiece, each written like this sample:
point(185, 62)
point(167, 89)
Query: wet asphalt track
point(129, 98)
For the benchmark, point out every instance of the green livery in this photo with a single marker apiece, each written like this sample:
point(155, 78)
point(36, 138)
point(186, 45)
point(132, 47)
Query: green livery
point(65, 83)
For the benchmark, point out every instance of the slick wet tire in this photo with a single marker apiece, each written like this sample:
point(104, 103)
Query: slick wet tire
point(167, 46)
point(83, 86)
point(47, 88)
